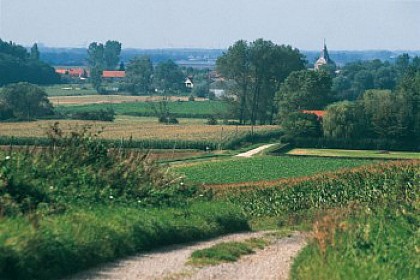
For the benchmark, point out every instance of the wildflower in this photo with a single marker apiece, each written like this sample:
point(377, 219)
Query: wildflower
point(111, 197)
point(51, 187)
point(7, 157)
point(182, 183)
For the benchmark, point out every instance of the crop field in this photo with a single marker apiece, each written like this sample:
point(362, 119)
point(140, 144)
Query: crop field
point(186, 109)
point(138, 128)
point(355, 153)
point(261, 168)
point(63, 90)
point(75, 100)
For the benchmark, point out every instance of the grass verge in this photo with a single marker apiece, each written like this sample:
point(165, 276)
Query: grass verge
point(226, 252)
point(54, 246)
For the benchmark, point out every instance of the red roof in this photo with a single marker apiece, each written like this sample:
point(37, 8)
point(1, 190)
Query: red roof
point(319, 113)
point(113, 74)
point(76, 72)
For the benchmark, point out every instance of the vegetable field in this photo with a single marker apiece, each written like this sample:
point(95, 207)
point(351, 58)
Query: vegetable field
point(262, 168)
point(355, 153)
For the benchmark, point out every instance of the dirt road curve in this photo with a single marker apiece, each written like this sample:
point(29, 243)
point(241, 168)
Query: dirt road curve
point(273, 262)
point(255, 151)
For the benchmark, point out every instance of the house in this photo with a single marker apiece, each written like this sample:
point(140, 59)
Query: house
point(189, 83)
point(115, 75)
point(73, 72)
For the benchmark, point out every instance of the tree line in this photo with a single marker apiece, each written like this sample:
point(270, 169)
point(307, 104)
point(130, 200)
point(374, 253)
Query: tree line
point(19, 65)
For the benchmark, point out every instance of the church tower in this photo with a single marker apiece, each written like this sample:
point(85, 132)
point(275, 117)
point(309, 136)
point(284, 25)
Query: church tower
point(324, 59)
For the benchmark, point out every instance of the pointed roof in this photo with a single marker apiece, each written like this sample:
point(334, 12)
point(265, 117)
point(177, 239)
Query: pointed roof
point(324, 58)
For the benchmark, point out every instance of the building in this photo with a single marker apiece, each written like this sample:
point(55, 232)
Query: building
point(115, 75)
point(189, 83)
point(324, 59)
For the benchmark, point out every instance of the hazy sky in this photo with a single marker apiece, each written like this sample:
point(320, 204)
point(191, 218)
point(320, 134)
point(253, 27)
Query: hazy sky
point(346, 24)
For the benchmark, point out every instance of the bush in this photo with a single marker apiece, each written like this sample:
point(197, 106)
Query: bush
point(212, 121)
point(168, 120)
point(101, 115)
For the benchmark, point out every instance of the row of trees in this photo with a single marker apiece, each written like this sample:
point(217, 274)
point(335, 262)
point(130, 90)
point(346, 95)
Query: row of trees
point(19, 65)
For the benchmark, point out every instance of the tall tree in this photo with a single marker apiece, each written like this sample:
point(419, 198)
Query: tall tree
point(35, 55)
point(112, 51)
point(168, 76)
point(258, 68)
point(304, 90)
point(139, 75)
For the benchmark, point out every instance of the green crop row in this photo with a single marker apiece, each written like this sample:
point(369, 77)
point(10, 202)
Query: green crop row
point(391, 181)
point(262, 168)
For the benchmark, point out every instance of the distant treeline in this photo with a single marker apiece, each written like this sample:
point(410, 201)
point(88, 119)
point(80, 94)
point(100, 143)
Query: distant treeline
point(19, 65)
point(78, 56)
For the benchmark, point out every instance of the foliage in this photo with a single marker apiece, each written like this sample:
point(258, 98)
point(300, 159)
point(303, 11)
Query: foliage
point(101, 115)
point(371, 243)
point(24, 101)
point(304, 90)
point(269, 168)
point(139, 75)
point(168, 76)
point(17, 66)
point(366, 185)
point(299, 124)
point(88, 235)
point(257, 70)
point(201, 89)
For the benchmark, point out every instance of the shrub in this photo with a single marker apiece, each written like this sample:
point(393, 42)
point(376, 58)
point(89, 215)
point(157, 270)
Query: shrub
point(107, 115)
point(212, 121)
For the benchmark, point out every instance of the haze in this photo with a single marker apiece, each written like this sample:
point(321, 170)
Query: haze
point(349, 25)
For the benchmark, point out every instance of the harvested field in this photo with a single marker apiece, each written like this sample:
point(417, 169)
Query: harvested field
point(111, 99)
point(137, 128)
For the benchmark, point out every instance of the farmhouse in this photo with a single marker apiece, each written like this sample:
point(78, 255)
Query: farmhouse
point(319, 113)
point(73, 72)
point(113, 75)
point(189, 83)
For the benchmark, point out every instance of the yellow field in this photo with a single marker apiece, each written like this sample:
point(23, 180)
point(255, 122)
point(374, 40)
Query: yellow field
point(96, 99)
point(136, 127)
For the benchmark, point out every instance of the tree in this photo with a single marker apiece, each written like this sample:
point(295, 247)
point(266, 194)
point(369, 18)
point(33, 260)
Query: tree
point(201, 90)
point(344, 119)
point(304, 90)
point(168, 76)
point(258, 68)
point(25, 101)
point(112, 51)
point(299, 124)
point(102, 57)
point(139, 75)
point(35, 55)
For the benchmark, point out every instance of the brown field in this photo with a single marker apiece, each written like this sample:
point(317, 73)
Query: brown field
point(135, 127)
point(96, 99)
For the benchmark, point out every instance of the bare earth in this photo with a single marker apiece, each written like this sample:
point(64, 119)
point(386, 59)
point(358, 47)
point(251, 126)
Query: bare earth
point(253, 152)
point(273, 262)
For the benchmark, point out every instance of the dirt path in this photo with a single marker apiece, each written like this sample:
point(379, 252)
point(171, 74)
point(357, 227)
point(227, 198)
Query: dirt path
point(253, 152)
point(273, 262)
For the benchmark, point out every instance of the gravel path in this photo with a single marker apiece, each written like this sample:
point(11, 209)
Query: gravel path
point(252, 152)
point(273, 262)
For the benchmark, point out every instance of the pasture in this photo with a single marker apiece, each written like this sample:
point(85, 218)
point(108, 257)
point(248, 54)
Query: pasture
point(125, 127)
point(189, 109)
point(261, 168)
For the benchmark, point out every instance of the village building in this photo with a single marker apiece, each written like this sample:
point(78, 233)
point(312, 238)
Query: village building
point(189, 83)
point(114, 76)
point(324, 60)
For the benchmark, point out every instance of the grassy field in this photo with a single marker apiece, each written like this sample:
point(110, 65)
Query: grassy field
point(77, 100)
point(355, 153)
point(261, 168)
point(186, 109)
point(137, 128)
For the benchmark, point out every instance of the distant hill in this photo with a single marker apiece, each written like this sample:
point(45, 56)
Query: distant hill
point(203, 58)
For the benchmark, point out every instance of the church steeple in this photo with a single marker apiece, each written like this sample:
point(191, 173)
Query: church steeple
point(324, 58)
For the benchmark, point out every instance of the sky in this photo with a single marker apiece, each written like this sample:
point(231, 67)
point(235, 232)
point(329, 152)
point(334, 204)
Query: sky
point(146, 24)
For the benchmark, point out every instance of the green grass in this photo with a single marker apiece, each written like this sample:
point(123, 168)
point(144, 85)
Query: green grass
point(179, 109)
point(226, 252)
point(374, 244)
point(355, 153)
point(262, 168)
point(69, 89)
point(52, 246)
